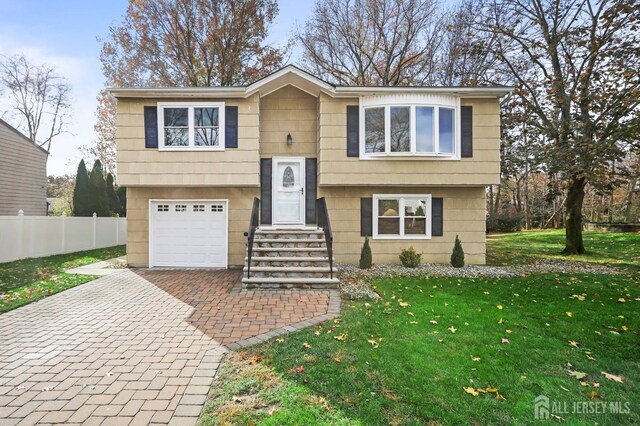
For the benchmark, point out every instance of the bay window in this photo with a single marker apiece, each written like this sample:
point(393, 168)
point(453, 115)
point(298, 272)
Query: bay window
point(410, 130)
point(187, 126)
point(401, 216)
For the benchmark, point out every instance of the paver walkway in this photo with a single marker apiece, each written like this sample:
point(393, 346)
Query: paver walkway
point(228, 314)
point(137, 348)
point(121, 350)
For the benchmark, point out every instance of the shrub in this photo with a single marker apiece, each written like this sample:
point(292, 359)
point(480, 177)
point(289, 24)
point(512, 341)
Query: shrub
point(410, 258)
point(81, 192)
point(98, 198)
point(504, 222)
point(457, 257)
point(365, 255)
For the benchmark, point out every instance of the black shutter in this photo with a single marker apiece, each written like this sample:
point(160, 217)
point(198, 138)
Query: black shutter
point(150, 127)
point(265, 191)
point(466, 131)
point(366, 217)
point(436, 217)
point(353, 131)
point(231, 127)
point(310, 189)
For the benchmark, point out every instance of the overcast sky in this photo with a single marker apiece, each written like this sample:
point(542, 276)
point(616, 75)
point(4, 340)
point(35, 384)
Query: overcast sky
point(64, 33)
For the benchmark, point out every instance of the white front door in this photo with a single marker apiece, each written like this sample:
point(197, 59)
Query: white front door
point(288, 191)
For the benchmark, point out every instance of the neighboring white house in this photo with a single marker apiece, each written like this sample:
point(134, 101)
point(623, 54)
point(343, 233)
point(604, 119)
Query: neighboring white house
point(23, 174)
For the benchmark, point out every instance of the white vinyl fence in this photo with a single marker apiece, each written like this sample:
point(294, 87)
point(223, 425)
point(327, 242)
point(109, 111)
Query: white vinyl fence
point(22, 236)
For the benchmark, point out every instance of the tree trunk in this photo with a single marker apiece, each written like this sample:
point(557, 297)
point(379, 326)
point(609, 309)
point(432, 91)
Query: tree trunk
point(629, 202)
point(573, 223)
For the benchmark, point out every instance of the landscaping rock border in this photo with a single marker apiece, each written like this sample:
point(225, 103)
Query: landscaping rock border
point(355, 283)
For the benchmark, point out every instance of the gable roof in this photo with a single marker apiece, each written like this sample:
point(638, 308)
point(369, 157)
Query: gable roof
point(21, 135)
point(303, 80)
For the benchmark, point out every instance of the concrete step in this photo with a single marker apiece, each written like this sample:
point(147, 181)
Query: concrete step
point(288, 259)
point(287, 282)
point(291, 249)
point(289, 240)
point(289, 269)
point(289, 231)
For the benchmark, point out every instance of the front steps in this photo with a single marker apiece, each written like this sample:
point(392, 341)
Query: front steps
point(287, 258)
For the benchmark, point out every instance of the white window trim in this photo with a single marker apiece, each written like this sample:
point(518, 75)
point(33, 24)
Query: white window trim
point(401, 198)
point(191, 121)
point(412, 120)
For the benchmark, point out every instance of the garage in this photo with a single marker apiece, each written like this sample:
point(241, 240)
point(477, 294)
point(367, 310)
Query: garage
point(188, 233)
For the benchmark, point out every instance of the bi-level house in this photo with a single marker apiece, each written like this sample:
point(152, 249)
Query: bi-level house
point(287, 175)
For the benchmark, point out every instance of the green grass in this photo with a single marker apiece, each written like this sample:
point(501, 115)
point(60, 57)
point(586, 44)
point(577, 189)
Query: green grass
point(25, 281)
point(418, 369)
point(615, 249)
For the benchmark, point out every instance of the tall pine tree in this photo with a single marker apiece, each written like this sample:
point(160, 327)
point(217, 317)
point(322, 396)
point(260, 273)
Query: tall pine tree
point(114, 202)
point(81, 192)
point(98, 199)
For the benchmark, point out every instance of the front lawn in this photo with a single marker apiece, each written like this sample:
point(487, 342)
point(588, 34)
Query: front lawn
point(449, 351)
point(27, 280)
point(612, 248)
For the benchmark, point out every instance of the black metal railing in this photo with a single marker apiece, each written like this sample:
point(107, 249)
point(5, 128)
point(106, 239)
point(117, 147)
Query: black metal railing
point(253, 225)
point(325, 224)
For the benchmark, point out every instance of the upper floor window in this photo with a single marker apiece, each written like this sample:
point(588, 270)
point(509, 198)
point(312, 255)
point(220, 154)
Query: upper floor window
point(186, 126)
point(409, 126)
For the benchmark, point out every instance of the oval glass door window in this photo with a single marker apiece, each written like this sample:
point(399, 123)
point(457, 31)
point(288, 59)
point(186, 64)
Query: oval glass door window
point(287, 177)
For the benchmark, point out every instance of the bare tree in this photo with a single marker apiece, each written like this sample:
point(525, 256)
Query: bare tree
point(465, 56)
point(373, 42)
point(575, 63)
point(40, 97)
point(191, 43)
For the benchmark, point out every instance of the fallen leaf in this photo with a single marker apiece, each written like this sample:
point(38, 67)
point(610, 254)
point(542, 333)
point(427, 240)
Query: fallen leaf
point(306, 345)
point(338, 360)
point(499, 306)
point(622, 300)
point(453, 329)
point(373, 343)
point(300, 369)
point(508, 331)
point(577, 374)
point(593, 395)
point(569, 314)
point(475, 359)
point(573, 343)
point(500, 321)
point(403, 304)
point(471, 391)
point(342, 337)
point(433, 322)
point(254, 359)
point(612, 377)
point(279, 340)
point(413, 322)
point(504, 340)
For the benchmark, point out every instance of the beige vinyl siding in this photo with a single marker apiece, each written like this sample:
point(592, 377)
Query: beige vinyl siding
point(23, 175)
point(463, 215)
point(288, 110)
point(335, 168)
point(240, 203)
point(140, 166)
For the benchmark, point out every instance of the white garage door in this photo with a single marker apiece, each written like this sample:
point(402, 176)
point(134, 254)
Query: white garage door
point(189, 234)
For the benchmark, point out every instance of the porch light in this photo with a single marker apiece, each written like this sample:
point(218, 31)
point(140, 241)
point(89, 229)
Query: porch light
point(289, 139)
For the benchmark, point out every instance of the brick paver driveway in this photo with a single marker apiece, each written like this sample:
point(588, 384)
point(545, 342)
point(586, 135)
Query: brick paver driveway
point(136, 348)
